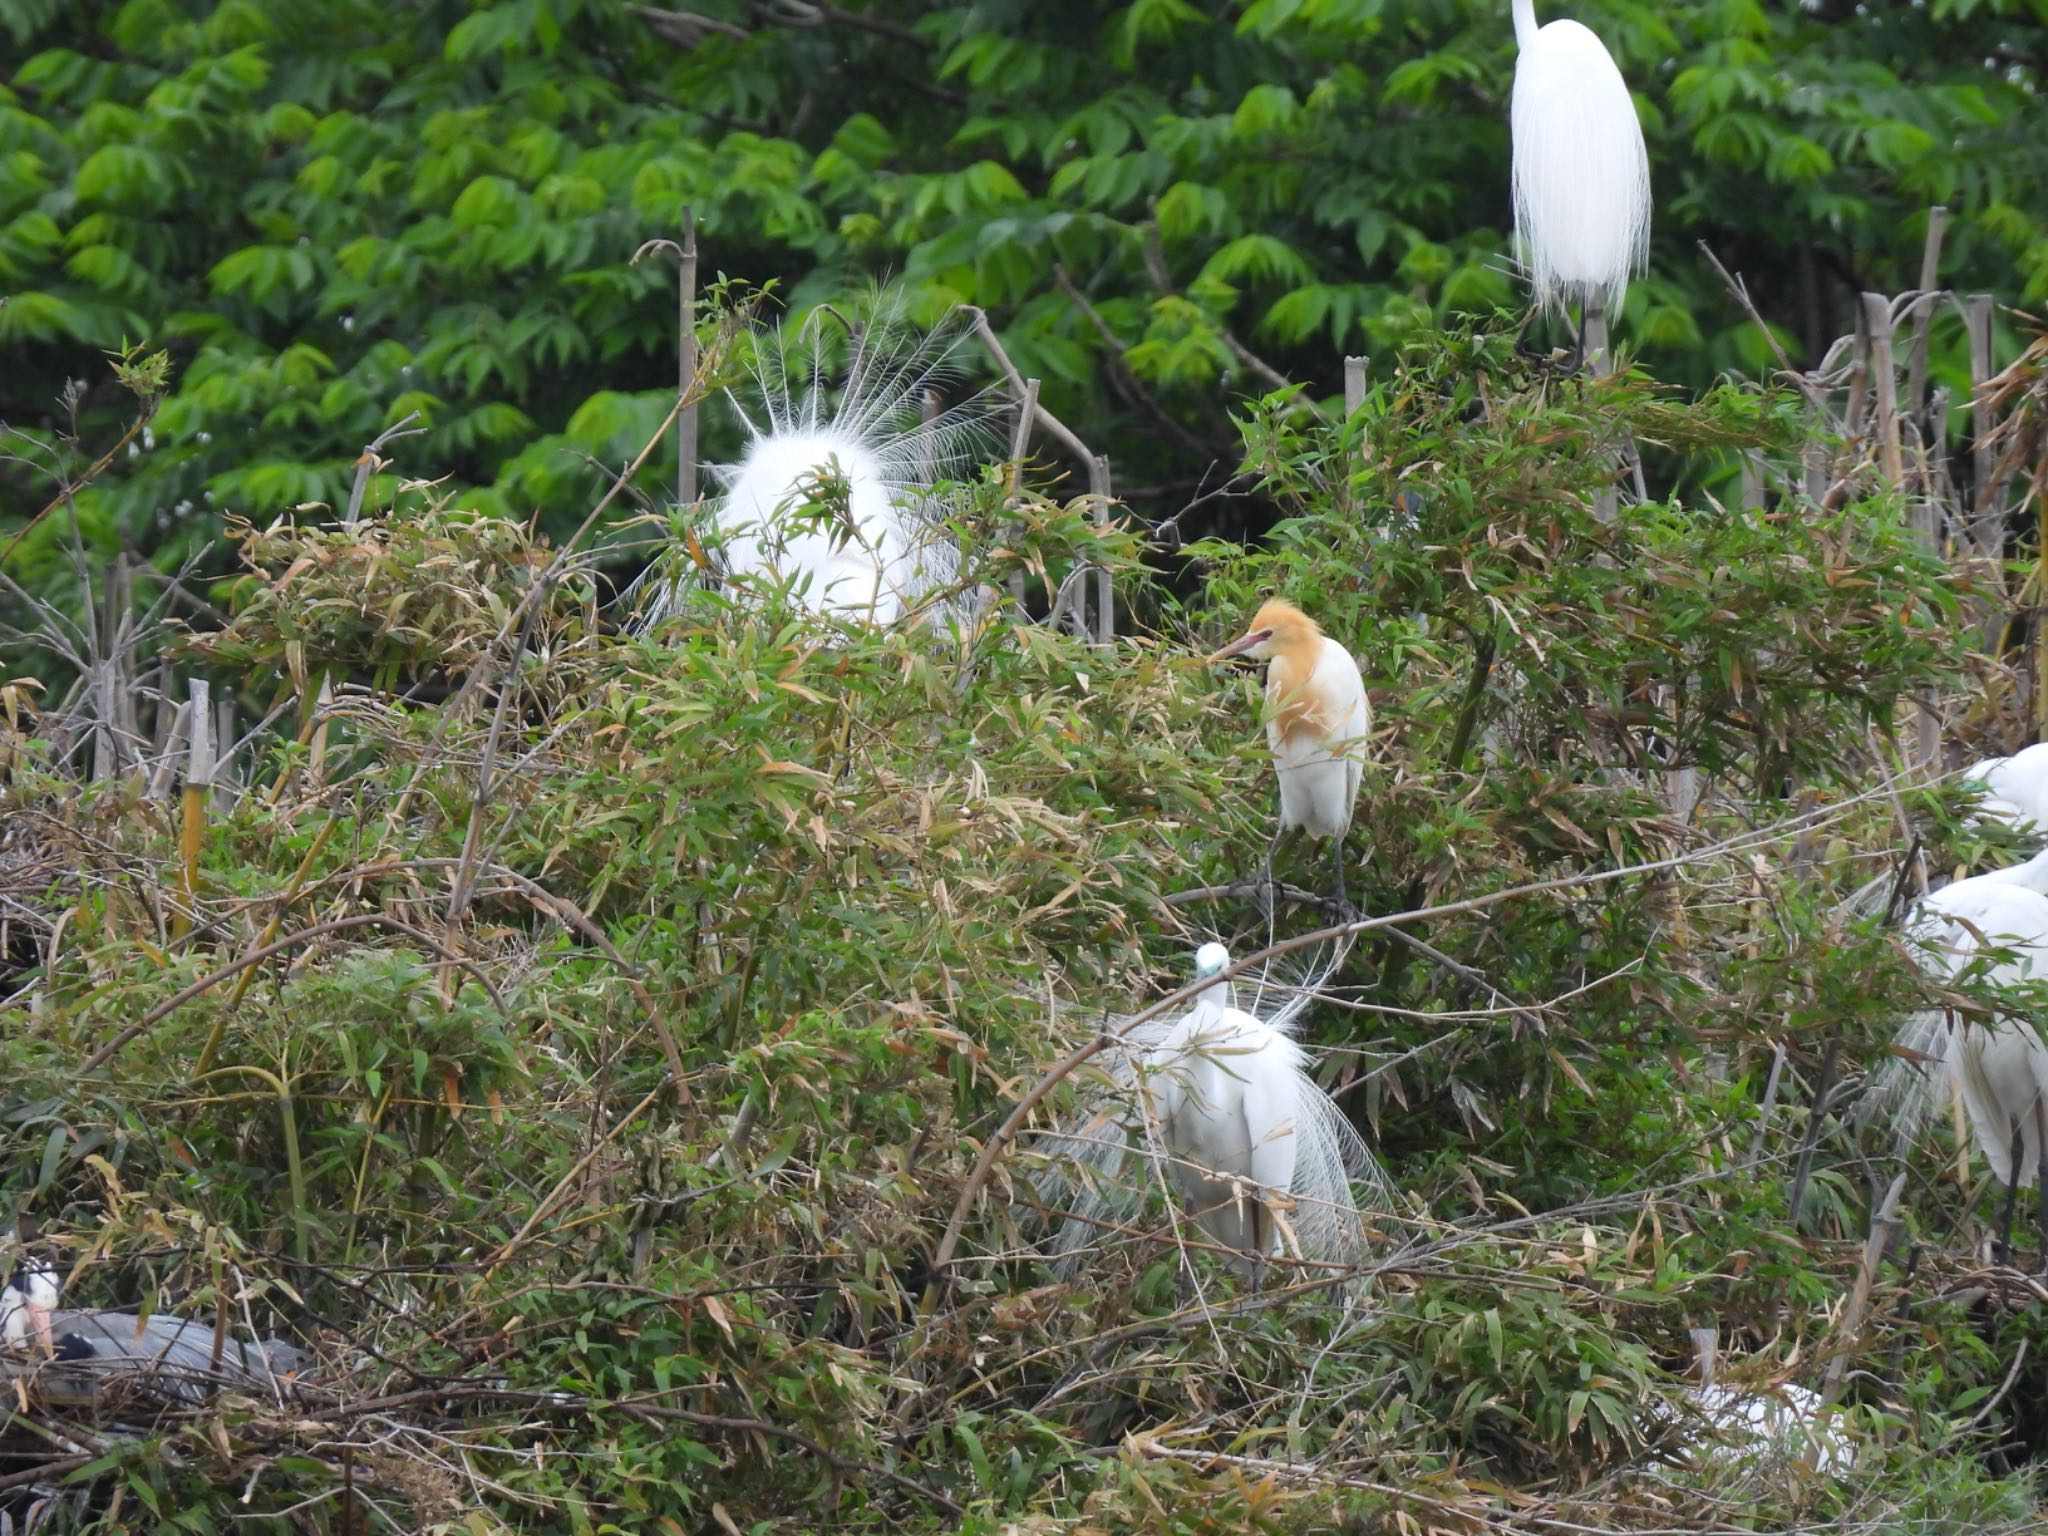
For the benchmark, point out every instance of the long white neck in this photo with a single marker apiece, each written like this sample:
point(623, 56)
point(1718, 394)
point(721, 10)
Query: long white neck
point(1525, 23)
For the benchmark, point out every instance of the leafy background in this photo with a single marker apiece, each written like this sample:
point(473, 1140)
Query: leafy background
point(337, 211)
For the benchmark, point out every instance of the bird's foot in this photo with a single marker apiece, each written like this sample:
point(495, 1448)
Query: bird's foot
point(1266, 897)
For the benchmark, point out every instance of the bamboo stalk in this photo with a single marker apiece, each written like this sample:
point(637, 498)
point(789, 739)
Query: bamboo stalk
point(198, 785)
point(1354, 385)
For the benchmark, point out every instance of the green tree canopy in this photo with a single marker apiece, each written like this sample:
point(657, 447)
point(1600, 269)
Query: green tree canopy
point(336, 212)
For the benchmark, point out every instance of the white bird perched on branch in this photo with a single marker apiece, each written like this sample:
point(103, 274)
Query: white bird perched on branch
point(1581, 173)
point(1317, 722)
point(834, 494)
point(157, 1356)
point(2015, 788)
point(1995, 931)
point(1257, 1155)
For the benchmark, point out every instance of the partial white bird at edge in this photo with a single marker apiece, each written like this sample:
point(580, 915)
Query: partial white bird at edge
point(1992, 930)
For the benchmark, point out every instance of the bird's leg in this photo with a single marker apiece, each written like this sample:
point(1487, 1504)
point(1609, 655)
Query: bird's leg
point(2041, 1178)
point(1269, 889)
point(1578, 360)
point(2003, 1251)
point(1345, 911)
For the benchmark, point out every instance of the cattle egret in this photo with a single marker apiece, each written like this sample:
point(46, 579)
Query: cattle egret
point(165, 1357)
point(2015, 788)
point(1317, 720)
point(1995, 931)
point(1222, 1102)
point(833, 497)
point(1581, 173)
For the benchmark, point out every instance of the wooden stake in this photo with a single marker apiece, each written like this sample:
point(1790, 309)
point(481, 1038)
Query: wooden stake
point(1105, 591)
point(1354, 385)
point(1922, 319)
point(686, 364)
point(1020, 445)
point(1884, 424)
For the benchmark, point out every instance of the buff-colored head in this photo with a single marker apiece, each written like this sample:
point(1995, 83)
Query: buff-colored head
point(1278, 629)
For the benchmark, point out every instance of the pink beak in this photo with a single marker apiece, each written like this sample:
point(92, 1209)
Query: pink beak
point(1239, 646)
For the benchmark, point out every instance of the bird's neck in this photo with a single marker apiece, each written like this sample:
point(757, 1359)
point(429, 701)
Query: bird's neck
point(1525, 22)
point(1288, 696)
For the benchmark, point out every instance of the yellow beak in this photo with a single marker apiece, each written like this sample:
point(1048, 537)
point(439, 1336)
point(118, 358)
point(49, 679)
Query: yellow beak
point(1239, 646)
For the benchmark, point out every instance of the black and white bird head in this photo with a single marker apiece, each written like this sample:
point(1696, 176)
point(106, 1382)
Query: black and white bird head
point(27, 1302)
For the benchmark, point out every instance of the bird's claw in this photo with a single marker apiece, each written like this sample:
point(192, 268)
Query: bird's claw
point(1266, 897)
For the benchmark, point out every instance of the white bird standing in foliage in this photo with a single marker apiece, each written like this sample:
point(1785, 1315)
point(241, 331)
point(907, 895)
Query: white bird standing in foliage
point(1581, 173)
point(834, 494)
point(1257, 1155)
point(1317, 722)
point(2015, 788)
point(159, 1356)
point(1994, 930)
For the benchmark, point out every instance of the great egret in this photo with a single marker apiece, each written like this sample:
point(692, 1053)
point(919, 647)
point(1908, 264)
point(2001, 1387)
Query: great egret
point(1784, 1423)
point(158, 1356)
point(2015, 788)
point(1222, 1101)
point(834, 494)
point(1317, 721)
point(1581, 173)
point(1996, 931)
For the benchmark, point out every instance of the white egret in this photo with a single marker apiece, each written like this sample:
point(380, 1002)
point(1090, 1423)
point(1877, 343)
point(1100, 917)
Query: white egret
point(1581, 173)
point(834, 494)
point(1993, 930)
point(2015, 788)
point(1775, 1425)
point(1317, 722)
point(1222, 1102)
point(158, 1356)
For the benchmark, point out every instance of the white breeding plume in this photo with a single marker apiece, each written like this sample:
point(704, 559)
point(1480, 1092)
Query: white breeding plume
point(1582, 175)
point(835, 494)
point(2015, 788)
point(1218, 1106)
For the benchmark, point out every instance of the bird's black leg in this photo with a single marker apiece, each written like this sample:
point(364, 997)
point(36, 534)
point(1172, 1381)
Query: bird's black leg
point(2041, 1179)
point(1345, 911)
point(1578, 342)
point(1269, 889)
point(2003, 1251)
